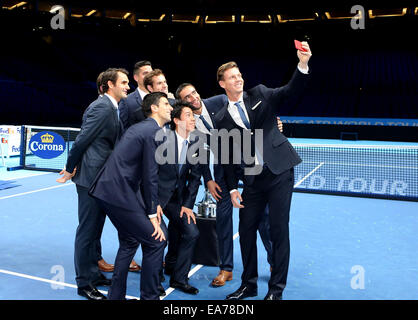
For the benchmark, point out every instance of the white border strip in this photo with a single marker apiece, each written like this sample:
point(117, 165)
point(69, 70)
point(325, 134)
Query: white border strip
point(58, 283)
point(38, 190)
point(52, 128)
point(364, 146)
point(28, 176)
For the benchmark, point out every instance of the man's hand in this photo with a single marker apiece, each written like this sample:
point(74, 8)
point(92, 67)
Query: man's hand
point(158, 232)
point(279, 124)
point(66, 175)
point(189, 213)
point(159, 214)
point(236, 199)
point(213, 188)
point(304, 56)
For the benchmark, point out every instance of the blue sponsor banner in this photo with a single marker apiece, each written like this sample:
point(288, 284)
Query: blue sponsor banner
point(352, 121)
point(47, 145)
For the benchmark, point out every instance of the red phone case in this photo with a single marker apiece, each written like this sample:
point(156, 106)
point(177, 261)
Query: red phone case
point(298, 46)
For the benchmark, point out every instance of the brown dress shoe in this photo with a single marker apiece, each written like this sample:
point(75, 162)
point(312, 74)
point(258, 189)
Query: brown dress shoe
point(134, 267)
point(105, 267)
point(221, 278)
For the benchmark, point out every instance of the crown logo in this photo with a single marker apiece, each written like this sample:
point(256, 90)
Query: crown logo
point(47, 138)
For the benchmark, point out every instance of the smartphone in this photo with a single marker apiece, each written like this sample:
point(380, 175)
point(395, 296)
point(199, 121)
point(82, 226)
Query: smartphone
point(298, 45)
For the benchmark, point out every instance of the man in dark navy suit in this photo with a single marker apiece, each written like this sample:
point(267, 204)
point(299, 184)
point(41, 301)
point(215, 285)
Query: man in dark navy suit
point(154, 81)
point(179, 182)
point(204, 114)
point(100, 130)
point(268, 177)
point(127, 189)
point(134, 100)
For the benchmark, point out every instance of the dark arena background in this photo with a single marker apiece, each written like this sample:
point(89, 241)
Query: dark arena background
point(355, 127)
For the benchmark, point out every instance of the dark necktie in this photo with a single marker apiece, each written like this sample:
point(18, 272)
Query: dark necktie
point(242, 115)
point(207, 125)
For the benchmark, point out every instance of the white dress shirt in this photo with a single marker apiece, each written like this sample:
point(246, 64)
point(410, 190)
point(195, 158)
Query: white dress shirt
point(142, 93)
point(114, 102)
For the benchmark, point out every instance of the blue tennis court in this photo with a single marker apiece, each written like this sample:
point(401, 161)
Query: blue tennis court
point(341, 247)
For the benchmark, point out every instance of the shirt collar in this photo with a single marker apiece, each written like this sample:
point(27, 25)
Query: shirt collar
point(142, 93)
point(114, 102)
point(240, 100)
point(180, 139)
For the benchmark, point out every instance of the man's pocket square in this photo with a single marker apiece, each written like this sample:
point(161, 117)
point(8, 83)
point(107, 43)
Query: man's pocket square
point(256, 105)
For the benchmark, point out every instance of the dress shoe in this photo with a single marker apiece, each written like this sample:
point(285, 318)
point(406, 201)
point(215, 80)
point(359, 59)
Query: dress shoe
point(91, 293)
point(105, 267)
point(186, 288)
point(242, 293)
point(272, 296)
point(102, 282)
point(134, 267)
point(161, 290)
point(221, 278)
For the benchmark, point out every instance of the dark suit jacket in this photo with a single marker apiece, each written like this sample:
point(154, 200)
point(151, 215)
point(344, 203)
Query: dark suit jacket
point(263, 105)
point(129, 179)
point(128, 106)
point(99, 132)
point(187, 181)
point(131, 109)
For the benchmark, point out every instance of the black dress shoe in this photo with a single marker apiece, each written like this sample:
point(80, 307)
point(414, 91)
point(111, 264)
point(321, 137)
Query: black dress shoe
point(102, 282)
point(242, 293)
point(161, 290)
point(91, 293)
point(186, 288)
point(272, 296)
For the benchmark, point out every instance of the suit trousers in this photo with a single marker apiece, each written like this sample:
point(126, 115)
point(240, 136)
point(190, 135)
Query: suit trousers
point(91, 219)
point(276, 192)
point(224, 225)
point(182, 240)
point(134, 228)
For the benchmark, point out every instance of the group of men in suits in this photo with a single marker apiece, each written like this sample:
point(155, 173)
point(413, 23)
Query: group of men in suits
point(133, 185)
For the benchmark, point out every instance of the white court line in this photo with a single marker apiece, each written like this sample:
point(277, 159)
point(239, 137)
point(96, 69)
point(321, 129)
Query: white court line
point(169, 290)
point(58, 283)
point(38, 190)
point(28, 176)
point(364, 165)
point(305, 177)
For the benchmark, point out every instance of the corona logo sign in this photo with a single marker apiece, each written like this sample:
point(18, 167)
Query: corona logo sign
point(47, 145)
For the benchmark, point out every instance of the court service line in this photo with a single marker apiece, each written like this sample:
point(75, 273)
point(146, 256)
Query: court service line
point(58, 283)
point(38, 190)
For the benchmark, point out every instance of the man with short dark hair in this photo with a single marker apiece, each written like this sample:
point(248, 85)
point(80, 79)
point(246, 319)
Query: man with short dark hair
point(134, 99)
point(205, 111)
point(179, 182)
point(127, 188)
point(100, 131)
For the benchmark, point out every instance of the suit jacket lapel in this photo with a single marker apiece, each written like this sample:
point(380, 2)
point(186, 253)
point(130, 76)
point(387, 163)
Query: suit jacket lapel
point(138, 97)
point(248, 104)
point(224, 117)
